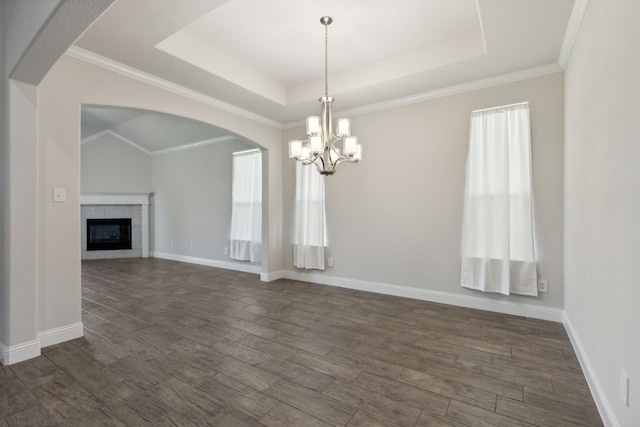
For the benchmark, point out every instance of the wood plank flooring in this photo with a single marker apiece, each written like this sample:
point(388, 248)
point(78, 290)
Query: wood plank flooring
point(174, 344)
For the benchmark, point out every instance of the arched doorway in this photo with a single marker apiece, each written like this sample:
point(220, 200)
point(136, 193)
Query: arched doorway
point(181, 167)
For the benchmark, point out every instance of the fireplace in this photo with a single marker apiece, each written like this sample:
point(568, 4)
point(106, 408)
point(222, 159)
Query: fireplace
point(108, 234)
point(116, 205)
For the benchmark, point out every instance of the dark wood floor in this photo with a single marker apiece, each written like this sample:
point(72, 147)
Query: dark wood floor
point(171, 344)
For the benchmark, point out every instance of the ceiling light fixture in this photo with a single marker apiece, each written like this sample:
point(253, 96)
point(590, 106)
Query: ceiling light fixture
point(320, 147)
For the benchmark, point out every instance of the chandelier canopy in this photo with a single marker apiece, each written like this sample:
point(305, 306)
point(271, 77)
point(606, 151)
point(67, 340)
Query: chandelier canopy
point(320, 146)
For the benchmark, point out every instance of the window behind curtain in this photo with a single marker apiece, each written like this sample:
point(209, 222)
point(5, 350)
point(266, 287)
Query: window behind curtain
point(246, 206)
point(498, 252)
point(309, 235)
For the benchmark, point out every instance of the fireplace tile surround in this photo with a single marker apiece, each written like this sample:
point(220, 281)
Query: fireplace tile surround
point(117, 205)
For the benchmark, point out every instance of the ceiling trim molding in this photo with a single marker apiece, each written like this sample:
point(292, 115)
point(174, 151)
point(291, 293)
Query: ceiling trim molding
point(446, 91)
point(134, 73)
point(216, 140)
point(106, 63)
point(115, 135)
point(571, 33)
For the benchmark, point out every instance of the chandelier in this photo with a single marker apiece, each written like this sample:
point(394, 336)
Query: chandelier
point(320, 146)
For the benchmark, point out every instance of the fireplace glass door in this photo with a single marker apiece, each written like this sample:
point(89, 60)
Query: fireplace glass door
point(108, 234)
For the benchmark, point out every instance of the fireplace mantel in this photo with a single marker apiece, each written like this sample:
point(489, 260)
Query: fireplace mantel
point(95, 198)
point(98, 198)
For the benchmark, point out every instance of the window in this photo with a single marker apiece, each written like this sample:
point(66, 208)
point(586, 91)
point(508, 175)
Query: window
point(246, 206)
point(498, 252)
point(309, 235)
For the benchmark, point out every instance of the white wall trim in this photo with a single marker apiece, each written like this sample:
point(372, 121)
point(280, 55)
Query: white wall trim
point(446, 91)
point(30, 349)
point(570, 34)
point(274, 275)
point(125, 70)
point(196, 144)
point(505, 307)
point(117, 136)
point(597, 392)
point(244, 267)
point(103, 198)
point(61, 334)
point(216, 140)
point(20, 352)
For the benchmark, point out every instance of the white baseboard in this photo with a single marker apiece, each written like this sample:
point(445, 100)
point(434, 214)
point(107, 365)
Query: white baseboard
point(244, 267)
point(274, 275)
point(600, 398)
point(506, 307)
point(30, 349)
point(61, 334)
point(20, 352)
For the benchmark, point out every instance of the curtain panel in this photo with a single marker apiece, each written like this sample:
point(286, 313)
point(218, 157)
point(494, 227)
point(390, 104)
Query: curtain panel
point(309, 234)
point(246, 207)
point(498, 253)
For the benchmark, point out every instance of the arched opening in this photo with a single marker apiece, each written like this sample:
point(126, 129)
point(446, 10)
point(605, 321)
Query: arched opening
point(180, 166)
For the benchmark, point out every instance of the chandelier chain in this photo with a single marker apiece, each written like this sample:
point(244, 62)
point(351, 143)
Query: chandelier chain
point(326, 60)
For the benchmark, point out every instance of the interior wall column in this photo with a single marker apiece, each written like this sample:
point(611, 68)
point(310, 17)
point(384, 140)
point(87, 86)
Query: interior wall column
point(35, 35)
point(19, 311)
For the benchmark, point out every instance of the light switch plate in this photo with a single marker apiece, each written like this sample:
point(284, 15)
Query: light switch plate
point(59, 194)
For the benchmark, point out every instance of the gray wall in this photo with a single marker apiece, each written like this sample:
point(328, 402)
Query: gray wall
point(4, 287)
point(109, 164)
point(191, 202)
point(396, 217)
point(602, 219)
point(191, 206)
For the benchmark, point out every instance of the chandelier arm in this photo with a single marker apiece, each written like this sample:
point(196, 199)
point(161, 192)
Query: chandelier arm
point(343, 159)
point(317, 164)
point(310, 159)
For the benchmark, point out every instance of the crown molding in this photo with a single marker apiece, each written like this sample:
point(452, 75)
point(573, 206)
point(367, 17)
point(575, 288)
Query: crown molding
point(570, 34)
point(573, 26)
point(125, 70)
point(529, 73)
point(115, 135)
point(197, 144)
point(219, 139)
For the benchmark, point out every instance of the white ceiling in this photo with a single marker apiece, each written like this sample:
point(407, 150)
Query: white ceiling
point(266, 58)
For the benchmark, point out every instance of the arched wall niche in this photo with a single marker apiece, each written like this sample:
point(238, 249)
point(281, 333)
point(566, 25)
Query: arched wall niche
point(69, 85)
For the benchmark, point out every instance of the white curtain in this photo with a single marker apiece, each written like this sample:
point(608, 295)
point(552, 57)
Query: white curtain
point(498, 253)
point(246, 207)
point(309, 235)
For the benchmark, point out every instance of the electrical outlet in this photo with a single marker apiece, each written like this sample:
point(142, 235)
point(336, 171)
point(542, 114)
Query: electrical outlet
point(624, 387)
point(543, 285)
point(190, 245)
point(330, 262)
point(226, 251)
point(172, 244)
